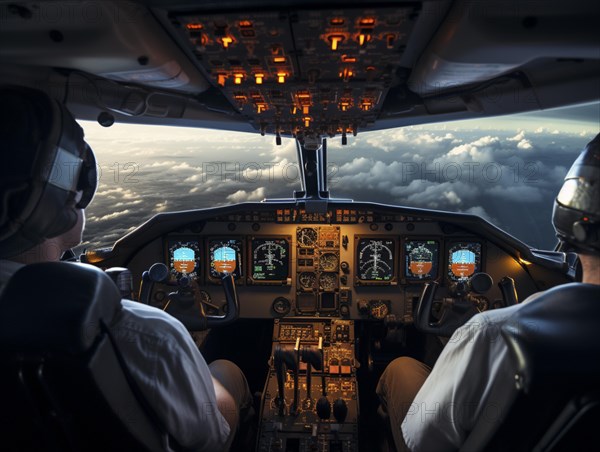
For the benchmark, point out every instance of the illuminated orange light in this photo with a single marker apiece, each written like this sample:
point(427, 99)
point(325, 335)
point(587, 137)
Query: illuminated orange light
point(346, 74)
point(305, 110)
point(281, 77)
point(303, 95)
point(294, 110)
point(194, 26)
point(335, 41)
point(362, 39)
point(221, 79)
point(259, 78)
point(261, 107)
point(279, 60)
point(367, 22)
point(348, 59)
point(245, 24)
point(344, 106)
point(336, 21)
point(237, 78)
point(226, 40)
point(306, 122)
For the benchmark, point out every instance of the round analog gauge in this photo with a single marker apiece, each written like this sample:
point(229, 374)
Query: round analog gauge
point(183, 259)
point(281, 306)
point(307, 237)
point(328, 281)
point(329, 262)
point(378, 309)
point(306, 280)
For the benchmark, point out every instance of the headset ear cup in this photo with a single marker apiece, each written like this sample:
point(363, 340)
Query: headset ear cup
point(88, 179)
point(67, 218)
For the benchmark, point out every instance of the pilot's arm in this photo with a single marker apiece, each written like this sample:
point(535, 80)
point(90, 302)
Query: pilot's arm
point(457, 392)
point(172, 374)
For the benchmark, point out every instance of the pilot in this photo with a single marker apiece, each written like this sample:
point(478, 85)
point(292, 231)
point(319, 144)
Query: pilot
point(42, 204)
point(435, 409)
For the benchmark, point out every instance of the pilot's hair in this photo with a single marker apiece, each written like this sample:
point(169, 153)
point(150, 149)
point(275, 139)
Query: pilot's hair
point(576, 215)
point(44, 162)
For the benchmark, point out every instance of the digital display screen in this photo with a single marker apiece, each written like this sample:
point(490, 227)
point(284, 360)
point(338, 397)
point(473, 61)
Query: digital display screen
point(421, 259)
point(464, 260)
point(225, 257)
point(375, 259)
point(184, 258)
point(270, 259)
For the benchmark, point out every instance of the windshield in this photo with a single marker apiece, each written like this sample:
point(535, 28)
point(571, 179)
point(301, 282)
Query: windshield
point(506, 170)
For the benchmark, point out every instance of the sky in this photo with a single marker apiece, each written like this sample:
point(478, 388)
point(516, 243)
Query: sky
point(507, 170)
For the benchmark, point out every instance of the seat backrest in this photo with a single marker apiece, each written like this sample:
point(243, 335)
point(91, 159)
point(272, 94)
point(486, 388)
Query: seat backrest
point(63, 384)
point(554, 376)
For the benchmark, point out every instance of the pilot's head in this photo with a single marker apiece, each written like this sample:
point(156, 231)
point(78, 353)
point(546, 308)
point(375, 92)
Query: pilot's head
point(47, 171)
point(576, 216)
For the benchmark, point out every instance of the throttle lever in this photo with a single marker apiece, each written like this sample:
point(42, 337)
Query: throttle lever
point(285, 358)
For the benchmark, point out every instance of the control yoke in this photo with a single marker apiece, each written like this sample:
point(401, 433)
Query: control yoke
point(183, 303)
point(458, 310)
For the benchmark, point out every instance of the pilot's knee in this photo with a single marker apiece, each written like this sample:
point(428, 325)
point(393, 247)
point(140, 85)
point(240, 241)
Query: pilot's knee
point(402, 379)
point(233, 380)
point(402, 369)
point(222, 368)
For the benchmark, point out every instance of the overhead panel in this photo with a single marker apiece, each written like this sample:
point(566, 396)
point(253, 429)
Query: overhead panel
point(282, 70)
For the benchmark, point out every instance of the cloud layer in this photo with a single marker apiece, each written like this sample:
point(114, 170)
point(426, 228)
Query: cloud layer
point(508, 177)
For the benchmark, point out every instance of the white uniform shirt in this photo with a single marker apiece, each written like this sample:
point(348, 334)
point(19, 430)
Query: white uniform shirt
point(169, 370)
point(456, 393)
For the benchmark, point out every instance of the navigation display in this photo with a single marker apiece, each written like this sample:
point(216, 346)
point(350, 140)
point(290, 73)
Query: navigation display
point(184, 258)
point(375, 260)
point(421, 260)
point(225, 256)
point(270, 260)
point(464, 260)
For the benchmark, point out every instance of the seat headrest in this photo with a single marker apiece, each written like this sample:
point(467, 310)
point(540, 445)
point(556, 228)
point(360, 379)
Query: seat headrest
point(56, 307)
point(557, 334)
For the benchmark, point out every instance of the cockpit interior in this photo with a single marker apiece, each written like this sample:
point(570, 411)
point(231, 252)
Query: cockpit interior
point(312, 295)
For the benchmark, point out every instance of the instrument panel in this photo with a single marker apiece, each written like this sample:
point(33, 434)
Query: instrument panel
point(357, 265)
point(378, 260)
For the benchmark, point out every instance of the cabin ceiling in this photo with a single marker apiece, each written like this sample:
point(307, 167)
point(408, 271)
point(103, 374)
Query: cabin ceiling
point(300, 69)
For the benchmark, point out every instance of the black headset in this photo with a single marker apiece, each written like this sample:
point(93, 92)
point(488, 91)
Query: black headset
point(576, 215)
point(44, 163)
